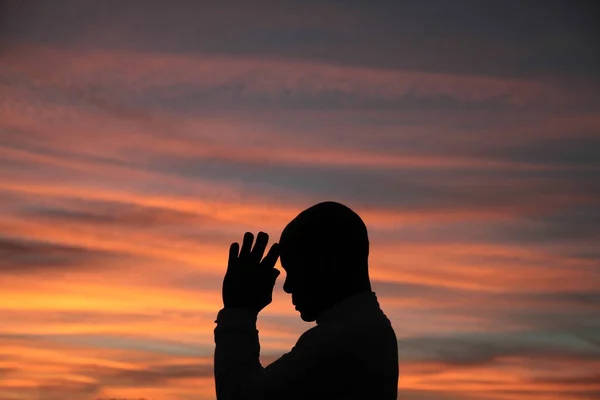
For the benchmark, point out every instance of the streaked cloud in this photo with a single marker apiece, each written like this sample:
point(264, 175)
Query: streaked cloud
point(138, 142)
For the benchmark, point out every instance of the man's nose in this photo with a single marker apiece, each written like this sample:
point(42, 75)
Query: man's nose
point(287, 287)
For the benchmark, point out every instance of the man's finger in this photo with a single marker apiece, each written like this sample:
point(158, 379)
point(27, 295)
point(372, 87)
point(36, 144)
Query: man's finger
point(246, 245)
point(233, 255)
point(259, 248)
point(271, 257)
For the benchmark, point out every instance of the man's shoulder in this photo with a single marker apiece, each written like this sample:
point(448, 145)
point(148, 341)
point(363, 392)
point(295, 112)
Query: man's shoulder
point(315, 334)
point(328, 338)
point(349, 332)
point(372, 345)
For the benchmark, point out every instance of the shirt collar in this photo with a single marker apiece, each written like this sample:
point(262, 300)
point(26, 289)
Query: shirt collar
point(350, 306)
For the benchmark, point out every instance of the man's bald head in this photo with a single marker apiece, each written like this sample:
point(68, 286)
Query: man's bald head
point(324, 251)
point(329, 230)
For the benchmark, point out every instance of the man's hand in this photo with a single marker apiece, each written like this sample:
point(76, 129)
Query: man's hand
point(249, 280)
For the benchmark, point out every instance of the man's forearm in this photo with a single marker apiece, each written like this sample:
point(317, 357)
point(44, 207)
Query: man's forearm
point(237, 351)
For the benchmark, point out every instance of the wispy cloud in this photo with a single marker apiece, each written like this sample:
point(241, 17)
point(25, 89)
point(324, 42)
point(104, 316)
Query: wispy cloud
point(128, 166)
point(185, 82)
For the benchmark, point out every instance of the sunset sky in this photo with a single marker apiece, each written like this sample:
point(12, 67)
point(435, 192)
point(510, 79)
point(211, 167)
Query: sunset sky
point(138, 139)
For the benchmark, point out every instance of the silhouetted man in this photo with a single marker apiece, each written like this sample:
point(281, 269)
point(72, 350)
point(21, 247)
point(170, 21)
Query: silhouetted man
point(351, 353)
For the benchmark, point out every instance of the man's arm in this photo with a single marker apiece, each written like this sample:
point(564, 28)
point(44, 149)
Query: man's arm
point(239, 374)
point(247, 289)
point(237, 351)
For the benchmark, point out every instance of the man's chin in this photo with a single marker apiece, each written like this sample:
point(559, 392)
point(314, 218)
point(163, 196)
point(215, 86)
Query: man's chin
point(307, 317)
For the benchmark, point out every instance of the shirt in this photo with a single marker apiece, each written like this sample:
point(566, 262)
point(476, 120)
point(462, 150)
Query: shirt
point(351, 353)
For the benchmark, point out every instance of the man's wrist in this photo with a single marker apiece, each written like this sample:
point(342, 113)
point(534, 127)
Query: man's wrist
point(242, 305)
point(238, 315)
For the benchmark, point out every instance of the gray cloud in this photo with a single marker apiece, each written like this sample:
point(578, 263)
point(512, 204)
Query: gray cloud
point(77, 317)
point(482, 349)
point(28, 256)
point(401, 188)
point(568, 224)
point(566, 151)
point(59, 389)
point(511, 303)
point(575, 224)
point(437, 36)
point(121, 342)
point(246, 86)
point(591, 379)
point(182, 226)
point(152, 376)
point(114, 213)
point(571, 313)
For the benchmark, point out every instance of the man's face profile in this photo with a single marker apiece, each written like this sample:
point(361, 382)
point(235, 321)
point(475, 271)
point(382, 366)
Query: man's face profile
point(324, 253)
point(303, 283)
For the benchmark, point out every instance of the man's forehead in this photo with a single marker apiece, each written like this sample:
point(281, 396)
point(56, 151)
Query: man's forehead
point(293, 236)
